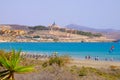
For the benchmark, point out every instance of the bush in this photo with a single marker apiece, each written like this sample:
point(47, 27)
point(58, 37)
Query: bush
point(112, 67)
point(83, 72)
point(58, 60)
point(45, 64)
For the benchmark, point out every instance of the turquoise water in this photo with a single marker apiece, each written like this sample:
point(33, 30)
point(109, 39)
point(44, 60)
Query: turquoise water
point(77, 50)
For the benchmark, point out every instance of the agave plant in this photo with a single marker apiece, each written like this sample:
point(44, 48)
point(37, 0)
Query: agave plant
point(11, 65)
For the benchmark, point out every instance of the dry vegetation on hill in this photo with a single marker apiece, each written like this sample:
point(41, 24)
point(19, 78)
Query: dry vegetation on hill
point(48, 34)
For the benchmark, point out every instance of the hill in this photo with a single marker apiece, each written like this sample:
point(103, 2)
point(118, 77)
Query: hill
point(110, 33)
point(15, 26)
point(21, 33)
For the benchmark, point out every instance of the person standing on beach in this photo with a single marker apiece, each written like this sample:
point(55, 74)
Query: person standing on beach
point(89, 57)
point(97, 58)
point(111, 59)
point(86, 57)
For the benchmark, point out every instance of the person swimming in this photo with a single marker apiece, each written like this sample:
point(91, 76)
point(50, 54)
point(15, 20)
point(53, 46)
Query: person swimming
point(111, 49)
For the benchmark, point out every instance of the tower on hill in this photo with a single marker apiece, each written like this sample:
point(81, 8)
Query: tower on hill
point(54, 26)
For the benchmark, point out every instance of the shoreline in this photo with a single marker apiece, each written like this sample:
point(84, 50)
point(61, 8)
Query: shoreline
point(80, 62)
point(93, 58)
point(2, 41)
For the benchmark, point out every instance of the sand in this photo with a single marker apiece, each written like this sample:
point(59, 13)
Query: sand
point(94, 64)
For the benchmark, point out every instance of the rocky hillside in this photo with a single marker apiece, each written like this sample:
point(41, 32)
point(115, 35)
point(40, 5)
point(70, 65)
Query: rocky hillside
point(51, 34)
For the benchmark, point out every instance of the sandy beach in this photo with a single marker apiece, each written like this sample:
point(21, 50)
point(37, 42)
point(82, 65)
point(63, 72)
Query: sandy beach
point(79, 62)
point(94, 64)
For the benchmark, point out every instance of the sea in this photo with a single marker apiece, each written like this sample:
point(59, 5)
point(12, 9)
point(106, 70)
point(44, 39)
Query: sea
point(103, 50)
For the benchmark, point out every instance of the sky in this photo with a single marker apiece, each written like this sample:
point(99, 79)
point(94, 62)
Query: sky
point(91, 13)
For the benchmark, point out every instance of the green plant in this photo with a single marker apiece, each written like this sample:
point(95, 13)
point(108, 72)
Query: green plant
point(45, 64)
point(12, 65)
point(83, 72)
point(105, 75)
point(55, 59)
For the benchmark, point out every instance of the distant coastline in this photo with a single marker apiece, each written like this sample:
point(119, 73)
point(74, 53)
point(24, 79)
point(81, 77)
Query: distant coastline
point(51, 33)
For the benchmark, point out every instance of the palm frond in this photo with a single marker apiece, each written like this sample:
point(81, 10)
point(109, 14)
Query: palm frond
point(23, 69)
point(11, 63)
point(15, 58)
point(4, 73)
point(4, 61)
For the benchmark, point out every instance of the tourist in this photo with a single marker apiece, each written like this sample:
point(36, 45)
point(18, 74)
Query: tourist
point(86, 57)
point(111, 59)
point(97, 58)
point(106, 59)
point(89, 57)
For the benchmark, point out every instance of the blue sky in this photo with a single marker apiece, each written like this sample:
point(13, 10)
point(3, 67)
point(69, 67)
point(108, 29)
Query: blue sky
point(90, 13)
